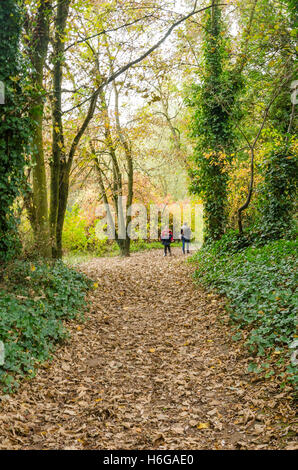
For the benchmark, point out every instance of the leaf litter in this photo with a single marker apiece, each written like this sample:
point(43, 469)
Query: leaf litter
point(153, 367)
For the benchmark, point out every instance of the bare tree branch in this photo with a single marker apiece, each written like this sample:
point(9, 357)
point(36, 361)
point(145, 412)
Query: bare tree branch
point(144, 55)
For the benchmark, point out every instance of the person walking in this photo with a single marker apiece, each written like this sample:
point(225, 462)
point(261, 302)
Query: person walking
point(185, 237)
point(166, 239)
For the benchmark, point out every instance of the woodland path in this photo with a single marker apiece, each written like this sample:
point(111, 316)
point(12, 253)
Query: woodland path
point(152, 367)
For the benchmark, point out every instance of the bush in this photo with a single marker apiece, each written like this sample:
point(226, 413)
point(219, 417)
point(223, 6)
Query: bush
point(79, 237)
point(33, 304)
point(75, 231)
point(260, 285)
point(278, 192)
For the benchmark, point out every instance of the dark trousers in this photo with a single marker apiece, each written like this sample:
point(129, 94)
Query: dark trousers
point(167, 247)
point(185, 242)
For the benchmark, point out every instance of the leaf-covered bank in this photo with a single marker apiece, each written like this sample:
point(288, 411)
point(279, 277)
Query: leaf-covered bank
point(35, 298)
point(260, 283)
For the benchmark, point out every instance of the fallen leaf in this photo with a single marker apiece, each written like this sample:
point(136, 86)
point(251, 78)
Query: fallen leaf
point(203, 426)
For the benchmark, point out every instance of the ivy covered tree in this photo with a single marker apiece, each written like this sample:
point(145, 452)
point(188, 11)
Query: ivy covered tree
point(279, 189)
point(212, 101)
point(13, 126)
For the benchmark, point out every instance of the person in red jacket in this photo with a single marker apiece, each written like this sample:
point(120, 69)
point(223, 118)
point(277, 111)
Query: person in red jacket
point(166, 239)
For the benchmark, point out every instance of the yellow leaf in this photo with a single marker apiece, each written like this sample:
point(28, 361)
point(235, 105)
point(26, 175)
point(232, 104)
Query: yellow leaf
point(203, 426)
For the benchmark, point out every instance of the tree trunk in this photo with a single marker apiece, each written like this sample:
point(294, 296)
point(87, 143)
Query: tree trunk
point(124, 246)
point(63, 196)
point(64, 173)
point(38, 53)
point(58, 149)
point(40, 200)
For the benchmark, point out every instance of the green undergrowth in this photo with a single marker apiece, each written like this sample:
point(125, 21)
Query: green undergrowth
point(35, 298)
point(260, 283)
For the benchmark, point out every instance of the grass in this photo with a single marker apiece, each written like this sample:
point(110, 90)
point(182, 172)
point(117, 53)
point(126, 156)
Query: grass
point(260, 283)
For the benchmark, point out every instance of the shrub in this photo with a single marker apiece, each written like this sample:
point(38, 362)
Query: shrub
point(75, 230)
point(79, 237)
point(33, 304)
point(260, 285)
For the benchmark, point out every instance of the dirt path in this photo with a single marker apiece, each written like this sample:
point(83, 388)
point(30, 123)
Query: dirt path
point(153, 367)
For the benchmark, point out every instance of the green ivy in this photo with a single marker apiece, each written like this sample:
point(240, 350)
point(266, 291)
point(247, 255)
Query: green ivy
point(260, 283)
point(36, 300)
point(278, 193)
point(213, 109)
point(14, 125)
